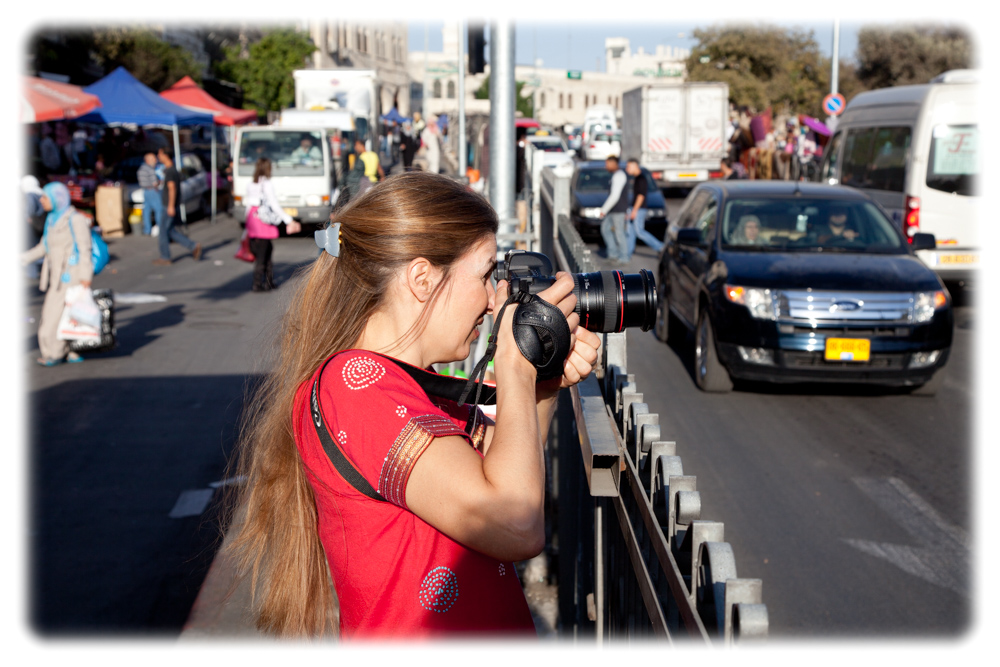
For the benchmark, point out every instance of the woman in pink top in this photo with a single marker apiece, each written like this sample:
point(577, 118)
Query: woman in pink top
point(264, 214)
point(418, 535)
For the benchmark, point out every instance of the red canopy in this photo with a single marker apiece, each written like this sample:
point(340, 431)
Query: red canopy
point(43, 100)
point(188, 94)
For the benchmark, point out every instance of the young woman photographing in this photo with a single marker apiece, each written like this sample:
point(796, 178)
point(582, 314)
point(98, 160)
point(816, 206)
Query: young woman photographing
point(454, 498)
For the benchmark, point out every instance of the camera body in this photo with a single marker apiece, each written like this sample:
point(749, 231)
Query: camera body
point(606, 301)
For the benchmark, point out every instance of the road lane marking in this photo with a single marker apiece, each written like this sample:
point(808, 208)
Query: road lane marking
point(138, 297)
point(943, 557)
point(191, 503)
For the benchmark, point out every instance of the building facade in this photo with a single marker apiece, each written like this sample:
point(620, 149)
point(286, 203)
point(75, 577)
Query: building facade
point(560, 96)
point(382, 47)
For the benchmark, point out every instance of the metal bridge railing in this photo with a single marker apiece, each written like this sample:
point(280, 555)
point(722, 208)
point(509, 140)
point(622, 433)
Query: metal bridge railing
point(634, 557)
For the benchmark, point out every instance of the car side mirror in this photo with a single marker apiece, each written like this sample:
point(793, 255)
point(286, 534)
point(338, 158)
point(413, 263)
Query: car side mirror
point(689, 236)
point(921, 241)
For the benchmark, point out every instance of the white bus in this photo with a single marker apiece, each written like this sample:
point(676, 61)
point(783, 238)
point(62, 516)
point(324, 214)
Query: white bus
point(915, 150)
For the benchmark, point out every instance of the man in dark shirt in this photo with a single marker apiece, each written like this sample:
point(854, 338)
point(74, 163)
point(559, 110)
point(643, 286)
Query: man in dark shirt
point(636, 216)
point(172, 206)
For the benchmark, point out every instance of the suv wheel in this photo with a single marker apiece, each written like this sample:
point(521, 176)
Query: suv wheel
point(709, 372)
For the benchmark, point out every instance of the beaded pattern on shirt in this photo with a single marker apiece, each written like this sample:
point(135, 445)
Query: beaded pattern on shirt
point(400, 411)
point(362, 372)
point(439, 590)
point(342, 436)
point(503, 569)
point(403, 455)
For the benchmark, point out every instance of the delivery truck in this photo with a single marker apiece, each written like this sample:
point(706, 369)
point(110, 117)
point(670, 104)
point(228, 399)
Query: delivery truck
point(676, 131)
point(353, 90)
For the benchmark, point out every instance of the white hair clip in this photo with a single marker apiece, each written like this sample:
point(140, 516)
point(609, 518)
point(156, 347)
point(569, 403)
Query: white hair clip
point(329, 239)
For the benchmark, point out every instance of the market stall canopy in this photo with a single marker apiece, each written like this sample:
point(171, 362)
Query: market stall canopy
point(395, 116)
point(126, 100)
point(191, 96)
point(43, 100)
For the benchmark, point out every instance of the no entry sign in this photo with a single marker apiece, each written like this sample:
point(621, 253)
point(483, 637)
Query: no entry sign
point(833, 104)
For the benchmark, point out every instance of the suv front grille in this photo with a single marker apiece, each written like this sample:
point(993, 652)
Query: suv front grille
point(820, 307)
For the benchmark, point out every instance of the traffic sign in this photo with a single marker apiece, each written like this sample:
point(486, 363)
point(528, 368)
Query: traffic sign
point(833, 104)
point(574, 74)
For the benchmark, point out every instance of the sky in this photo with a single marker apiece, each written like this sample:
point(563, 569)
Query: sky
point(579, 45)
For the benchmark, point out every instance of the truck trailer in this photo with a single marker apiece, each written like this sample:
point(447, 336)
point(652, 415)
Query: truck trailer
point(676, 131)
point(353, 90)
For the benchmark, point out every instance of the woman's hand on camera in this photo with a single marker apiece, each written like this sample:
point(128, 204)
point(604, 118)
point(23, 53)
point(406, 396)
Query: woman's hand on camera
point(583, 343)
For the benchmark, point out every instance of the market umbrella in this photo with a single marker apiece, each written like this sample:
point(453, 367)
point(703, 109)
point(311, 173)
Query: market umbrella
point(816, 126)
point(43, 100)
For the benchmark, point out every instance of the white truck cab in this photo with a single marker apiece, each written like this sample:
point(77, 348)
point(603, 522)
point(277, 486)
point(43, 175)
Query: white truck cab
point(301, 169)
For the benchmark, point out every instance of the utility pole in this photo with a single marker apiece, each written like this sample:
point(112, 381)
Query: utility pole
point(423, 95)
point(462, 151)
point(835, 75)
point(502, 137)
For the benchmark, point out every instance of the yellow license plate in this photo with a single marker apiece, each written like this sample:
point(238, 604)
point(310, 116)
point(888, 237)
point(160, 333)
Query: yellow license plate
point(959, 259)
point(292, 211)
point(687, 175)
point(848, 349)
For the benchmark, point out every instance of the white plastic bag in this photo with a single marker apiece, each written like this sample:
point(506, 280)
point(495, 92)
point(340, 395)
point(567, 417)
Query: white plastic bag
point(70, 329)
point(82, 307)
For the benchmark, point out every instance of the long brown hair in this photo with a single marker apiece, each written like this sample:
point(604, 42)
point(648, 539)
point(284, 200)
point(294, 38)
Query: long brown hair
point(262, 168)
point(273, 535)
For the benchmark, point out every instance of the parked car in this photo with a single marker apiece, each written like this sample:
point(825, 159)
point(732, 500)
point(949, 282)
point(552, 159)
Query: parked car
point(550, 143)
point(590, 188)
point(758, 270)
point(195, 195)
point(604, 143)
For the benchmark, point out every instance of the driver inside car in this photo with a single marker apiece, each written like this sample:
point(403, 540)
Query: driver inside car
point(837, 226)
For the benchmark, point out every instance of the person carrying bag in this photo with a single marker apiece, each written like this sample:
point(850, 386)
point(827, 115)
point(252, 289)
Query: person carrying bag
point(264, 214)
point(68, 261)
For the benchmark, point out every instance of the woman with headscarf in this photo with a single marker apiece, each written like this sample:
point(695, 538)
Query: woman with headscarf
point(65, 247)
point(748, 231)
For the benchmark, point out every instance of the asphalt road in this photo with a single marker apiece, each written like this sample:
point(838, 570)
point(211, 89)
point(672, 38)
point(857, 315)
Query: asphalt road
point(851, 503)
point(126, 450)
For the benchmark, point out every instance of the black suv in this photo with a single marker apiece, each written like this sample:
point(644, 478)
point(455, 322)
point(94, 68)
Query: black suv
point(789, 281)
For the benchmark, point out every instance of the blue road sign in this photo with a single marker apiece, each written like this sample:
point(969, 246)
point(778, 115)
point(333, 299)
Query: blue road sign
point(833, 104)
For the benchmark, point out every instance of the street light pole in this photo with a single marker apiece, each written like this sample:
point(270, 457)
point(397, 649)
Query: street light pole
point(835, 75)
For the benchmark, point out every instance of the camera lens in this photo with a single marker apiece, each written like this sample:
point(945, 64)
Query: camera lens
point(610, 301)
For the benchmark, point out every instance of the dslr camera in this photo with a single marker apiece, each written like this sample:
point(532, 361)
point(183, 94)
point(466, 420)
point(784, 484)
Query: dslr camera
point(606, 301)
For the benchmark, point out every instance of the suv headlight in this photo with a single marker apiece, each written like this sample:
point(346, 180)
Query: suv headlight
point(925, 304)
point(590, 212)
point(760, 302)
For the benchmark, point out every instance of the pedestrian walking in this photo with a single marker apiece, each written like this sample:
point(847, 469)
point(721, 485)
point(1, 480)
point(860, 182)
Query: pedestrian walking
point(432, 147)
point(409, 144)
point(418, 536)
point(373, 168)
point(613, 210)
point(636, 214)
point(172, 204)
point(264, 214)
point(152, 197)
point(65, 247)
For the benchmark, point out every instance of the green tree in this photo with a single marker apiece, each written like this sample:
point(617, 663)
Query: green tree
point(911, 55)
point(765, 66)
point(264, 70)
point(150, 59)
point(523, 104)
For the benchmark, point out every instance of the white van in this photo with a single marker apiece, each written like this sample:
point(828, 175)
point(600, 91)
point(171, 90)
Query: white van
point(597, 118)
point(914, 149)
point(301, 169)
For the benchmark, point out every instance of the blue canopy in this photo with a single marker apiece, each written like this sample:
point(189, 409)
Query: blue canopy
point(124, 99)
point(395, 116)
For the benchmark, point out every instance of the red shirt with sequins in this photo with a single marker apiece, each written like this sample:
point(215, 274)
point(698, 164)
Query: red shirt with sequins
point(396, 575)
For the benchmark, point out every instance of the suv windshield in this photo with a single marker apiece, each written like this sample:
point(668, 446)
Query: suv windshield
point(292, 152)
point(808, 225)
